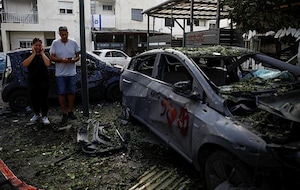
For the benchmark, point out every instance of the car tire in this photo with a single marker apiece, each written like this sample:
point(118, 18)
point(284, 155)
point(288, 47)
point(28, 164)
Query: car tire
point(225, 171)
point(113, 92)
point(19, 100)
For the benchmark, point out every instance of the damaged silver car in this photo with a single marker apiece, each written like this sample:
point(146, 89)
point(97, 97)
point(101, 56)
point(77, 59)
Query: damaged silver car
point(232, 112)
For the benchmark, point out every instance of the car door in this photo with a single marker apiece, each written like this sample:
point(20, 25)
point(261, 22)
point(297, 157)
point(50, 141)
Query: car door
point(171, 114)
point(135, 83)
point(119, 58)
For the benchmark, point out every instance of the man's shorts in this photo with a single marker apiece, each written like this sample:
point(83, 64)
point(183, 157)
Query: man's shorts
point(66, 84)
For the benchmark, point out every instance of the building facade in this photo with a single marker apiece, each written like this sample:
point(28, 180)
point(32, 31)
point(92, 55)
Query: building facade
point(22, 20)
point(117, 24)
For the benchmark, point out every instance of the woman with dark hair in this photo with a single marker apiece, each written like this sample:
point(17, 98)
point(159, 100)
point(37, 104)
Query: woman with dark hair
point(38, 81)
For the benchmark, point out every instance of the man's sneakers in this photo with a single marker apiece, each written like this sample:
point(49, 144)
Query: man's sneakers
point(45, 120)
point(35, 117)
point(64, 118)
point(72, 116)
point(68, 116)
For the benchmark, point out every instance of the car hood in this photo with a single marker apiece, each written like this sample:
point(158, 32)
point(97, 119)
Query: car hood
point(275, 92)
point(269, 108)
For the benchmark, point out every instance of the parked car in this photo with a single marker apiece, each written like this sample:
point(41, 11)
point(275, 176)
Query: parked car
point(113, 56)
point(102, 79)
point(2, 64)
point(232, 112)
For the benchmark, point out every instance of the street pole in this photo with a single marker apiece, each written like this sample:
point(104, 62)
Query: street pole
point(84, 89)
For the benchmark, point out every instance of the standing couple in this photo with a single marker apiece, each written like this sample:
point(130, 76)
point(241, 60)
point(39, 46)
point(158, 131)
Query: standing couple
point(65, 53)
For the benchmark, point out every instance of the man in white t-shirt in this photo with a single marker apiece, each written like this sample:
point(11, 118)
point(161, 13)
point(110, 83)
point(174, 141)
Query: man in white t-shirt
point(65, 53)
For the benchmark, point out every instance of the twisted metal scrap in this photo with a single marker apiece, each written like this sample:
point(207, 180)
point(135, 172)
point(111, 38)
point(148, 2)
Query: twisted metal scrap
point(95, 139)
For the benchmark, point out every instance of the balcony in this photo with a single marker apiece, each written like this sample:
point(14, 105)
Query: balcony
point(28, 18)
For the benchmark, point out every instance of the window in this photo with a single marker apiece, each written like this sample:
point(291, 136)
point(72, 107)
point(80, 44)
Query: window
point(34, 7)
point(108, 54)
point(107, 7)
point(93, 7)
point(49, 42)
point(65, 7)
point(136, 14)
point(117, 54)
point(212, 25)
point(143, 64)
point(172, 70)
point(196, 22)
point(169, 22)
point(25, 43)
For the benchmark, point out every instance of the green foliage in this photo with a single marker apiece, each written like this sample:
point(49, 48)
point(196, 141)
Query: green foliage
point(264, 16)
point(214, 51)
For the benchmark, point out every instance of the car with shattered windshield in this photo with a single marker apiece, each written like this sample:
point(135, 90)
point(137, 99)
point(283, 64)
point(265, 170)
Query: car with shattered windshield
point(232, 112)
point(102, 79)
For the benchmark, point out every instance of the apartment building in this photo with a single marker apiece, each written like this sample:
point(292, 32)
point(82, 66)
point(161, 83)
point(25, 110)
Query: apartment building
point(117, 24)
point(120, 24)
point(22, 20)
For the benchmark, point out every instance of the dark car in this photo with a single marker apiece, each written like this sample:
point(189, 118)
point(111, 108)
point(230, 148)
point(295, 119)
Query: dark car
point(102, 80)
point(232, 112)
point(2, 64)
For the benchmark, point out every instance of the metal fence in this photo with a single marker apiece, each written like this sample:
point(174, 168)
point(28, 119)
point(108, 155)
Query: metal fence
point(29, 18)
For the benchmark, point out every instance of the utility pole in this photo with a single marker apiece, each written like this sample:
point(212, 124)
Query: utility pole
point(84, 88)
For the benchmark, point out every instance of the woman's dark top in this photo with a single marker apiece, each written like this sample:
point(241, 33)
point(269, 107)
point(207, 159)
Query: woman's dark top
point(37, 70)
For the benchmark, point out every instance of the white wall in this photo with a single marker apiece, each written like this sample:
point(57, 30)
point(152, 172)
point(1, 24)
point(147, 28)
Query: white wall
point(49, 21)
point(123, 14)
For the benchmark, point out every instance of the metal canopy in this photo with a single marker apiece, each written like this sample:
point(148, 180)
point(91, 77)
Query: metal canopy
point(181, 9)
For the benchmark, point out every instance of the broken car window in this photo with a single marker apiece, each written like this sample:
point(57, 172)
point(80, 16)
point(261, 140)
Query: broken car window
point(172, 70)
point(144, 64)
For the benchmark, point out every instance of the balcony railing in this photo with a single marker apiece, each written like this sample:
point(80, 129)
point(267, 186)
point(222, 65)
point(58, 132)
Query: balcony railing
point(29, 18)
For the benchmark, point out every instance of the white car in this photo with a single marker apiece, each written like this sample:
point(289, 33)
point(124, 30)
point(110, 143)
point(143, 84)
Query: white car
point(113, 56)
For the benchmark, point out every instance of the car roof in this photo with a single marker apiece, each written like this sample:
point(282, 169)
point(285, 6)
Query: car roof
point(210, 51)
point(215, 51)
point(108, 50)
point(221, 52)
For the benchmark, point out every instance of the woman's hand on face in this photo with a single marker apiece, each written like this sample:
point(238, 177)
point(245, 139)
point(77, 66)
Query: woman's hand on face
point(42, 49)
point(33, 50)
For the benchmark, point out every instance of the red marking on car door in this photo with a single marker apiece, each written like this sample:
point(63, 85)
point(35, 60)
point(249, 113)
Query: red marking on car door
point(171, 114)
point(183, 121)
point(169, 111)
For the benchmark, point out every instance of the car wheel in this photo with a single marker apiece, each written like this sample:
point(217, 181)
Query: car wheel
point(113, 92)
point(225, 171)
point(19, 100)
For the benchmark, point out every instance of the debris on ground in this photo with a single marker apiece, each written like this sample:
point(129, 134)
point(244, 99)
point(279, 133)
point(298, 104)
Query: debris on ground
point(97, 138)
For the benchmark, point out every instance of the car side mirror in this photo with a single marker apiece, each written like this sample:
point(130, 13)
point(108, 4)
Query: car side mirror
point(184, 88)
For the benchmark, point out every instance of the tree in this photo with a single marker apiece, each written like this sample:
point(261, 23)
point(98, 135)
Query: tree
point(263, 16)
